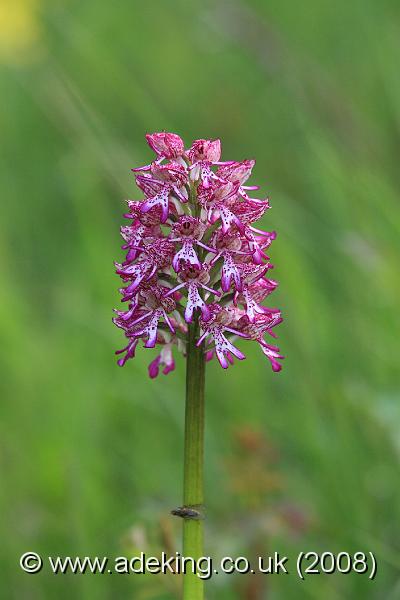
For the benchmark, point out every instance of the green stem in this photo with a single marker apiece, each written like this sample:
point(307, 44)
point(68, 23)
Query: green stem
point(193, 460)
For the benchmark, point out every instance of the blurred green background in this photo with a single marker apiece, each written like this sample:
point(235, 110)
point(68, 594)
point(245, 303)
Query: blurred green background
point(91, 454)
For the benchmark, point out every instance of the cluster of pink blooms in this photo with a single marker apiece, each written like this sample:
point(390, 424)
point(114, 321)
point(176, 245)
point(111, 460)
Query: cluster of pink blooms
point(193, 252)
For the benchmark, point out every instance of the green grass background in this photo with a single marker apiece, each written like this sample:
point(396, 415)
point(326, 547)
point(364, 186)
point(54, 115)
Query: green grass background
point(91, 454)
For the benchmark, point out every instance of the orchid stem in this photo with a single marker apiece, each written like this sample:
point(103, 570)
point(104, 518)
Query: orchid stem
point(193, 495)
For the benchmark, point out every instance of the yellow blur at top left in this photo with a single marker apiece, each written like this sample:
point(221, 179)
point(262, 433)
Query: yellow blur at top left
point(19, 31)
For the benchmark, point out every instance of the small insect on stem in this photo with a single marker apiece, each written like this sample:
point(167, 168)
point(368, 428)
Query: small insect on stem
point(188, 512)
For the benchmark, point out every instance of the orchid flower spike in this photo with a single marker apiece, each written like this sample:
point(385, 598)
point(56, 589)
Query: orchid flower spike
point(193, 252)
